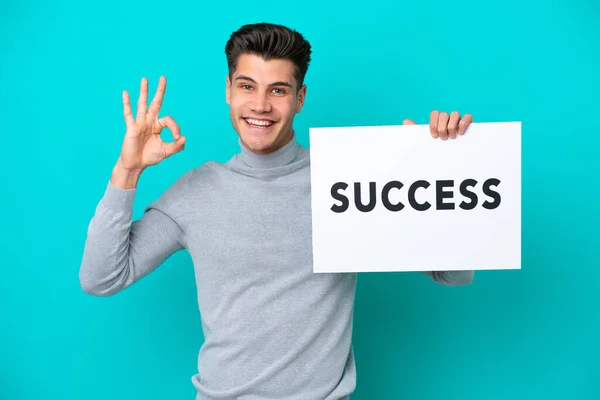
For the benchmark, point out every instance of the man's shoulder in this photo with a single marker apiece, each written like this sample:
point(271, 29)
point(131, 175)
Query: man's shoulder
point(202, 175)
point(188, 186)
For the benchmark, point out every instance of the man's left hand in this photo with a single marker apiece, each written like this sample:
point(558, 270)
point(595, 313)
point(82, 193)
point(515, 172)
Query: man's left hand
point(443, 125)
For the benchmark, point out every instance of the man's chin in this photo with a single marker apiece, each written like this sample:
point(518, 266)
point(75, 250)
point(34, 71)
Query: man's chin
point(264, 144)
point(258, 145)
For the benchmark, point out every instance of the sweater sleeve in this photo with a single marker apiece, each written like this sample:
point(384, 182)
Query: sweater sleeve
point(119, 252)
point(451, 278)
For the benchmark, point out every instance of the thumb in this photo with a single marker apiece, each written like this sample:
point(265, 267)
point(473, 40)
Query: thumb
point(175, 147)
point(408, 122)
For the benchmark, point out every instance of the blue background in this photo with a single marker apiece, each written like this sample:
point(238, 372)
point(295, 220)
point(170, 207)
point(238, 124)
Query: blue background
point(527, 334)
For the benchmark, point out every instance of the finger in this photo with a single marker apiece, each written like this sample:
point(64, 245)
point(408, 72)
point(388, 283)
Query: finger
point(158, 98)
point(433, 123)
point(127, 110)
point(453, 124)
point(464, 123)
point(408, 122)
point(174, 147)
point(143, 99)
point(443, 125)
point(169, 122)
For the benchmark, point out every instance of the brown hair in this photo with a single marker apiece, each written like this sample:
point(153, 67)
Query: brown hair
point(269, 41)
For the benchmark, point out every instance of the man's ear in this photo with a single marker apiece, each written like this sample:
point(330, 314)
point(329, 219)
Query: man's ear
point(301, 97)
point(227, 90)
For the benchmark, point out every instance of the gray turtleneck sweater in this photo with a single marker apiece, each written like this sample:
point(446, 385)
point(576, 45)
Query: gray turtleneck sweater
point(273, 329)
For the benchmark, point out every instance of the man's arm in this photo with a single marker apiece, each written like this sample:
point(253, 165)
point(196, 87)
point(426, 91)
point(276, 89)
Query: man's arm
point(451, 278)
point(119, 252)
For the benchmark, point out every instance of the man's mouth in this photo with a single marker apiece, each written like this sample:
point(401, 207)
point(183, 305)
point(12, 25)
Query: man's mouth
point(258, 123)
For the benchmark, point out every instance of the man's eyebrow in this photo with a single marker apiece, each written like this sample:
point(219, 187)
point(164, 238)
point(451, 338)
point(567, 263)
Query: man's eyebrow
point(281, 83)
point(245, 78)
point(278, 83)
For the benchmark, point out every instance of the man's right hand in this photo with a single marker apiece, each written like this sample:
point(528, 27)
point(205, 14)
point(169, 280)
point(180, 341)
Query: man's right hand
point(142, 146)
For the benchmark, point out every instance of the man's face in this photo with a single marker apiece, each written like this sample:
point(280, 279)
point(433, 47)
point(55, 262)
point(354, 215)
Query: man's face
point(263, 101)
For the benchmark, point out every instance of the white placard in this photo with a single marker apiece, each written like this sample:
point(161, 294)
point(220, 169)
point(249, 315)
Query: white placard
point(463, 212)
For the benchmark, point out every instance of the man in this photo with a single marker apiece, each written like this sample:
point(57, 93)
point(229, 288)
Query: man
point(272, 328)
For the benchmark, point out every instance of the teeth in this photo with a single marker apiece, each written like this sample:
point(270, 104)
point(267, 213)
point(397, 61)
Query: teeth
point(258, 122)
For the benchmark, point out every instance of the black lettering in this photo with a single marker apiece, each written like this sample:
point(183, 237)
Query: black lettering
point(467, 193)
point(340, 197)
point(493, 194)
point(372, 197)
point(441, 194)
point(385, 196)
point(411, 196)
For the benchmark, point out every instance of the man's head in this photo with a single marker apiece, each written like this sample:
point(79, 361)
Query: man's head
point(265, 85)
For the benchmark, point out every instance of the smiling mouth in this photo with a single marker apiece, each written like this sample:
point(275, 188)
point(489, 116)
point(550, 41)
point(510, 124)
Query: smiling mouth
point(259, 123)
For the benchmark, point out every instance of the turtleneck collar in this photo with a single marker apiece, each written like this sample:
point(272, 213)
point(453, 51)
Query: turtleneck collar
point(280, 157)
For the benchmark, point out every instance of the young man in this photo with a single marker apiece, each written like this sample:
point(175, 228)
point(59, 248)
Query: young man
point(273, 329)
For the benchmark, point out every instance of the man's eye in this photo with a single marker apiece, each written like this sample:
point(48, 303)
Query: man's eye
point(279, 91)
point(247, 87)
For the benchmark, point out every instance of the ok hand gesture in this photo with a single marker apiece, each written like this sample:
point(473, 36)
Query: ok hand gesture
point(142, 146)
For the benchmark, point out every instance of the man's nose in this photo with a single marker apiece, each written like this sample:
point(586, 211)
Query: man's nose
point(261, 103)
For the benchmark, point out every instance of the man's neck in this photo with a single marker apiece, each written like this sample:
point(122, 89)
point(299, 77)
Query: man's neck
point(282, 156)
